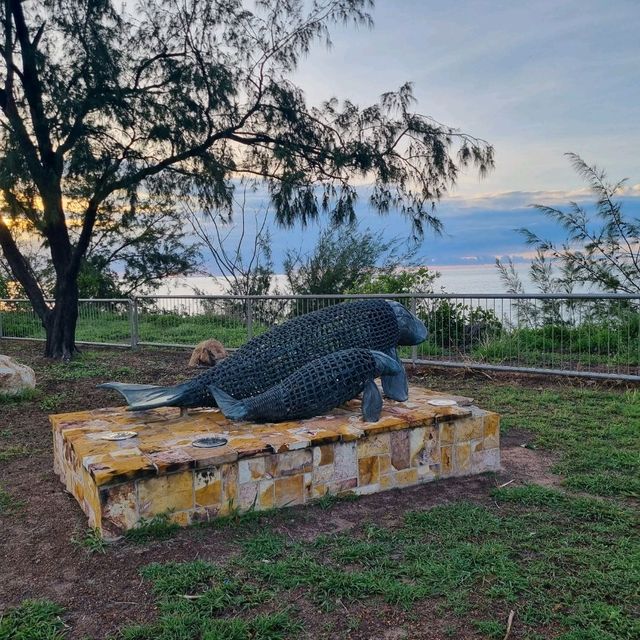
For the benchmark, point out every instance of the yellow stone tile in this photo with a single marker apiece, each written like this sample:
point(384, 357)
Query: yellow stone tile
point(463, 456)
point(289, 490)
point(229, 483)
point(376, 445)
point(446, 460)
point(447, 432)
point(368, 470)
point(165, 493)
point(207, 486)
point(323, 455)
point(385, 464)
point(266, 494)
point(469, 428)
point(406, 477)
point(181, 518)
point(319, 490)
point(119, 509)
point(491, 430)
point(295, 462)
point(387, 481)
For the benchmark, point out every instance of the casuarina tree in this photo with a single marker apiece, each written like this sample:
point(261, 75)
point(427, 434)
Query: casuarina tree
point(108, 105)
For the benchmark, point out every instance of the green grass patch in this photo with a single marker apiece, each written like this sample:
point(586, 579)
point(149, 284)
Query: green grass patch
point(91, 541)
point(159, 527)
point(86, 365)
point(15, 451)
point(595, 431)
point(25, 395)
point(201, 600)
point(9, 504)
point(561, 563)
point(32, 620)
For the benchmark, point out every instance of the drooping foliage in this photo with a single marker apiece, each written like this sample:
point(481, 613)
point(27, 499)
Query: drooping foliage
point(106, 105)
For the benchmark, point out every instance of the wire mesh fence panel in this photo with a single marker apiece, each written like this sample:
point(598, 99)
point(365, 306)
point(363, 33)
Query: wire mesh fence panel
point(579, 334)
point(18, 320)
point(104, 322)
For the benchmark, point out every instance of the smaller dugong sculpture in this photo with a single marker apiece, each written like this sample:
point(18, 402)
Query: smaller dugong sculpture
point(317, 387)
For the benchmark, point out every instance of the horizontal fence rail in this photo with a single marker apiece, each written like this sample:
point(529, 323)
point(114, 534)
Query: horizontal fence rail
point(589, 335)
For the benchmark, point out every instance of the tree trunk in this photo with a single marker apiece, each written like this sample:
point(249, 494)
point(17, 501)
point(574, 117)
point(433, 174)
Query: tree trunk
point(60, 324)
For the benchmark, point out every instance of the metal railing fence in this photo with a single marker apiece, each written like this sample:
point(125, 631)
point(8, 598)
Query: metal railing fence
point(590, 335)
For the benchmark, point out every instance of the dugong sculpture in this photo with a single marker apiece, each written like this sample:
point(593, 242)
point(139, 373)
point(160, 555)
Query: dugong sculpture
point(267, 359)
point(317, 387)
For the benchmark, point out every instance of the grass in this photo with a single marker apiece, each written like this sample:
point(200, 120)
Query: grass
point(8, 503)
point(562, 563)
point(32, 620)
point(567, 563)
point(595, 432)
point(606, 343)
point(160, 527)
point(18, 398)
point(91, 542)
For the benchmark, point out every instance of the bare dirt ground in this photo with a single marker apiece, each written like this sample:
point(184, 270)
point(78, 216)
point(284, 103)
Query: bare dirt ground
point(103, 592)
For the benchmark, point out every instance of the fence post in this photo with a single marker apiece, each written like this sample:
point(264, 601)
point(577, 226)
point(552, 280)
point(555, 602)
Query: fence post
point(249, 302)
point(1, 324)
point(414, 348)
point(133, 322)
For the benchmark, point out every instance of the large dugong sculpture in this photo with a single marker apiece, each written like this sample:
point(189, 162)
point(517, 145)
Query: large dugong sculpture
point(267, 359)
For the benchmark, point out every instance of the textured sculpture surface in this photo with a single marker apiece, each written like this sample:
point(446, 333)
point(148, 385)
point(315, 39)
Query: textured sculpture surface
point(317, 387)
point(269, 358)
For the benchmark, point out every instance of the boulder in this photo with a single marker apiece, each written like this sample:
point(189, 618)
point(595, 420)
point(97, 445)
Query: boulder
point(15, 377)
point(207, 354)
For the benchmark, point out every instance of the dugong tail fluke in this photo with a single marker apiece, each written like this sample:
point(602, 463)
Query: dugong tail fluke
point(230, 407)
point(147, 396)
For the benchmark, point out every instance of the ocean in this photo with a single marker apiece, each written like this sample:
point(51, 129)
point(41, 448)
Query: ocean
point(453, 279)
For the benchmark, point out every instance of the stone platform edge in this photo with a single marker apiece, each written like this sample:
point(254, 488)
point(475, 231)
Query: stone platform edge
point(118, 484)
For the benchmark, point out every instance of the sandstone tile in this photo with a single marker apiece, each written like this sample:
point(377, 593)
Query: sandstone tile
point(207, 484)
point(375, 445)
point(325, 473)
point(345, 461)
point(385, 465)
point(295, 462)
point(407, 477)
point(343, 486)
point(447, 432)
point(229, 474)
point(400, 449)
point(251, 469)
point(119, 509)
point(462, 457)
point(446, 460)
point(323, 455)
point(491, 430)
point(173, 492)
point(266, 494)
point(469, 428)
point(247, 496)
point(416, 444)
point(388, 482)
point(368, 470)
point(289, 490)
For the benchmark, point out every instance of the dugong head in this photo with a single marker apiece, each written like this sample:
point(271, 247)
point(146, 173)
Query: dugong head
point(412, 330)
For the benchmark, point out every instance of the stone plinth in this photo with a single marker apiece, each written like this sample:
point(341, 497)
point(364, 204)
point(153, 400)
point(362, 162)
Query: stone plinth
point(263, 466)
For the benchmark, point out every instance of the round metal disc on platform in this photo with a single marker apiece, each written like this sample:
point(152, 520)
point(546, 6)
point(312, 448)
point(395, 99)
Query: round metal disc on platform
point(118, 435)
point(209, 442)
point(442, 402)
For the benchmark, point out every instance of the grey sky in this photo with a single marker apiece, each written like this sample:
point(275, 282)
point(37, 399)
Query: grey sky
point(536, 78)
